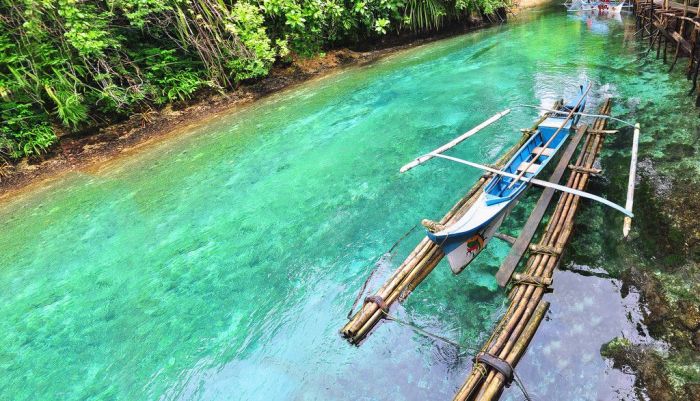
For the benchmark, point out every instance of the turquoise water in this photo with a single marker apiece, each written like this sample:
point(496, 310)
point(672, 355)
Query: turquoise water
point(220, 265)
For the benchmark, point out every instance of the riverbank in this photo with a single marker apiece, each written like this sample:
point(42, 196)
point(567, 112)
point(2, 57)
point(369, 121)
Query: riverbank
point(101, 144)
point(76, 151)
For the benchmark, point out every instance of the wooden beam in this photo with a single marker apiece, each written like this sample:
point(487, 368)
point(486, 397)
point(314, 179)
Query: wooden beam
point(521, 244)
point(675, 36)
point(505, 238)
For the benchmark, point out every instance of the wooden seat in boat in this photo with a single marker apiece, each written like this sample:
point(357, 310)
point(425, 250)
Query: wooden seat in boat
point(547, 151)
point(532, 169)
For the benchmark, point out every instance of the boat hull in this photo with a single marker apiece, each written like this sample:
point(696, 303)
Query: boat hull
point(465, 239)
point(461, 253)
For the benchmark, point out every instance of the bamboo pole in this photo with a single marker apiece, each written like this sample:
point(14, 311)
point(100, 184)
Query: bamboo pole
point(425, 247)
point(630, 185)
point(454, 142)
point(539, 260)
point(418, 271)
point(518, 349)
point(548, 261)
point(541, 183)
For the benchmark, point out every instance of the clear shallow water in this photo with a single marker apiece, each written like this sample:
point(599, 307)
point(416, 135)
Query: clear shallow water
point(221, 265)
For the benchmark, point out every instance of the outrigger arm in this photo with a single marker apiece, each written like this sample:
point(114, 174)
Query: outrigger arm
point(540, 183)
point(454, 142)
point(627, 210)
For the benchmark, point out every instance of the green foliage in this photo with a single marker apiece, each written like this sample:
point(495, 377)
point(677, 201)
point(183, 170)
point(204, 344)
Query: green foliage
point(23, 131)
point(424, 14)
point(64, 61)
point(247, 25)
point(169, 78)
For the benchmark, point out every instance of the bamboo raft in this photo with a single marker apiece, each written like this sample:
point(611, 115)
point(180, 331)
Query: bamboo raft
point(422, 260)
point(494, 364)
point(519, 324)
point(670, 24)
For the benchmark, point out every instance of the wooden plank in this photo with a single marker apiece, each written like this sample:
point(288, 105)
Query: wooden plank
point(675, 36)
point(545, 152)
point(518, 250)
point(528, 167)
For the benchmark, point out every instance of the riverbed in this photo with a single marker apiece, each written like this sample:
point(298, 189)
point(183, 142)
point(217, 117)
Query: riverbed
point(220, 264)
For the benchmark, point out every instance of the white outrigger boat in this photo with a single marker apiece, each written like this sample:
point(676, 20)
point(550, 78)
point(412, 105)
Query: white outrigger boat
point(579, 5)
point(608, 7)
point(466, 238)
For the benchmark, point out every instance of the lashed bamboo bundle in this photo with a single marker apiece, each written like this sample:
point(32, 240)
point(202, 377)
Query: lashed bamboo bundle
point(515, 329)
point(421, 261)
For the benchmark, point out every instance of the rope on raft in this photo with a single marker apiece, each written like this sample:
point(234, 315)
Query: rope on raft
point(376, 267)
point(480, 355)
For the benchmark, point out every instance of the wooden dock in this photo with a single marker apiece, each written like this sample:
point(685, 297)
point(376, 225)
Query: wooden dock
point(673, 29)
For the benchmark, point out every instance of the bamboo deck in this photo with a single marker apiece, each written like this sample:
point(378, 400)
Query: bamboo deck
point(521, 244)
point(520, 322)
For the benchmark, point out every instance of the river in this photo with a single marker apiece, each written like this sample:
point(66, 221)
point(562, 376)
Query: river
point(220, 264)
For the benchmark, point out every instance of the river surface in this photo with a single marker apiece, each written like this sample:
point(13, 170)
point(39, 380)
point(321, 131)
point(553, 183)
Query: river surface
point(221, 264)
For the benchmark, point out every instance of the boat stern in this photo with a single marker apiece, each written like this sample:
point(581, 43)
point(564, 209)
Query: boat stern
point(462, 248)
point(462, 253)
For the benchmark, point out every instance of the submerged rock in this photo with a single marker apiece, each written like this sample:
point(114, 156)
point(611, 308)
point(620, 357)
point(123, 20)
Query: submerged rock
point(648, 366)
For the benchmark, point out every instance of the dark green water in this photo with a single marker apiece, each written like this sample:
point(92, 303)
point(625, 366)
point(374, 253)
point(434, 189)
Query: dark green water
point(220, 265)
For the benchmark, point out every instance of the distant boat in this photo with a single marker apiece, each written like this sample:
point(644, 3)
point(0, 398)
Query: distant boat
point(579, 5)
point(612, 7)
point(466, 238)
